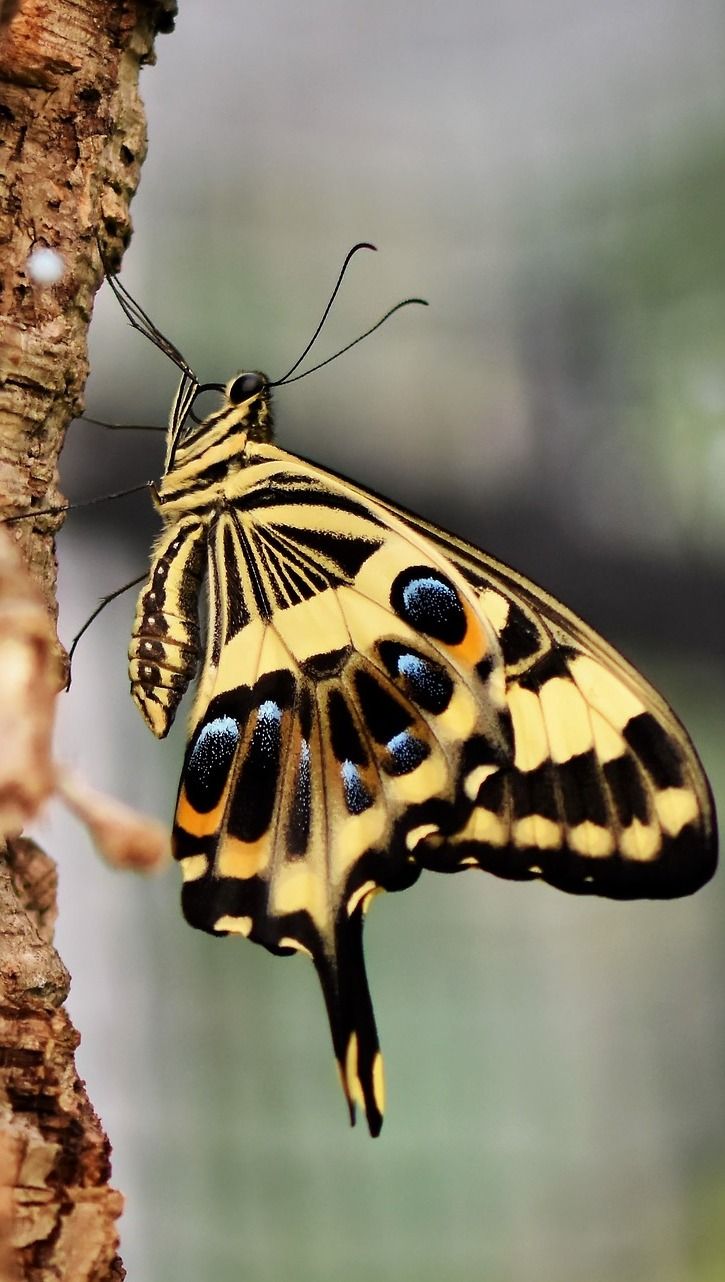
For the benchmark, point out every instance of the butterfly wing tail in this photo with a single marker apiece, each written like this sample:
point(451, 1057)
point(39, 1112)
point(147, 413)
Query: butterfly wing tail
point(352, 1023)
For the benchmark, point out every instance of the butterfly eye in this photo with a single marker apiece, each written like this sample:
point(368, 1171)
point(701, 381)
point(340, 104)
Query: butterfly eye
point(245, 386)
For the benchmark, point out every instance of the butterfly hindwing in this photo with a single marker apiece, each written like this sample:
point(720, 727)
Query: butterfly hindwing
point(379, 697)
point(313, 774)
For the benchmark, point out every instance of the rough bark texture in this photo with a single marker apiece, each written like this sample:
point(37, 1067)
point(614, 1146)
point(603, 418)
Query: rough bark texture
point(72, 139)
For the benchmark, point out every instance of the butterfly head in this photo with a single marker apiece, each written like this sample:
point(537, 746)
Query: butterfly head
point(246, 408)
point(245, 413)
point(248, 398)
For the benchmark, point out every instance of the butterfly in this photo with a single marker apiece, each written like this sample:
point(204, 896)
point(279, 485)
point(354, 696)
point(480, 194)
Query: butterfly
point(378, 697)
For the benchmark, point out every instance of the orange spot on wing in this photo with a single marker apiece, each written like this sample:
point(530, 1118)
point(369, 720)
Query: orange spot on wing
point(474, 645)
point(196, 822)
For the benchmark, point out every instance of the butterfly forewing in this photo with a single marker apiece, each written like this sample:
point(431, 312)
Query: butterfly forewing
point(378, 697)
point(608, 793)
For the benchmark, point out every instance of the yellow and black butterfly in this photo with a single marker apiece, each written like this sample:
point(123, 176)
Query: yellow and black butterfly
point(378, 697)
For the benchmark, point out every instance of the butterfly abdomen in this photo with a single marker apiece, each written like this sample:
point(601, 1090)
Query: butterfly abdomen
point(164, 649)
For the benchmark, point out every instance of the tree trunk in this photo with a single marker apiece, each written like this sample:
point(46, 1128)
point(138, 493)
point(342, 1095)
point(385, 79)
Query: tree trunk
point(72, 134)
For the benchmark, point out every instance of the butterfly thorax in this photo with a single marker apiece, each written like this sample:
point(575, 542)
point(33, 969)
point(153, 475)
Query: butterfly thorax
point(202, 455)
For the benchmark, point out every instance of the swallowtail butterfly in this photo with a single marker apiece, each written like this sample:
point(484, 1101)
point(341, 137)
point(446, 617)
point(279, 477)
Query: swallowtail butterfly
point(378, 697)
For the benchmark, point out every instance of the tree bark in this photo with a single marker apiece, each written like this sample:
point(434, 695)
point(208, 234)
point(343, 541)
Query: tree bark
point(72, 140)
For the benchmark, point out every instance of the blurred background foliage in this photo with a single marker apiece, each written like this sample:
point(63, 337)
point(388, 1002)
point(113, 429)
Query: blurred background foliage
point(551, 177)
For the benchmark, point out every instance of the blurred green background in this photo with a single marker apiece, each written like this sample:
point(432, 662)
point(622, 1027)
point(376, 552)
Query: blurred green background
point(551, 176)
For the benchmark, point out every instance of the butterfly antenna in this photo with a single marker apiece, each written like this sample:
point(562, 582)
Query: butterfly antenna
point(363, 244)
point(407, 302)
point(104, 601)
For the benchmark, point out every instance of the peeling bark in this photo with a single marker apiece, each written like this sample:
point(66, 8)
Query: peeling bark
point(72, 140)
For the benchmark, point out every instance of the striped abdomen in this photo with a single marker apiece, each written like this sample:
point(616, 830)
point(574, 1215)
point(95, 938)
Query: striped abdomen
point(164, 649)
